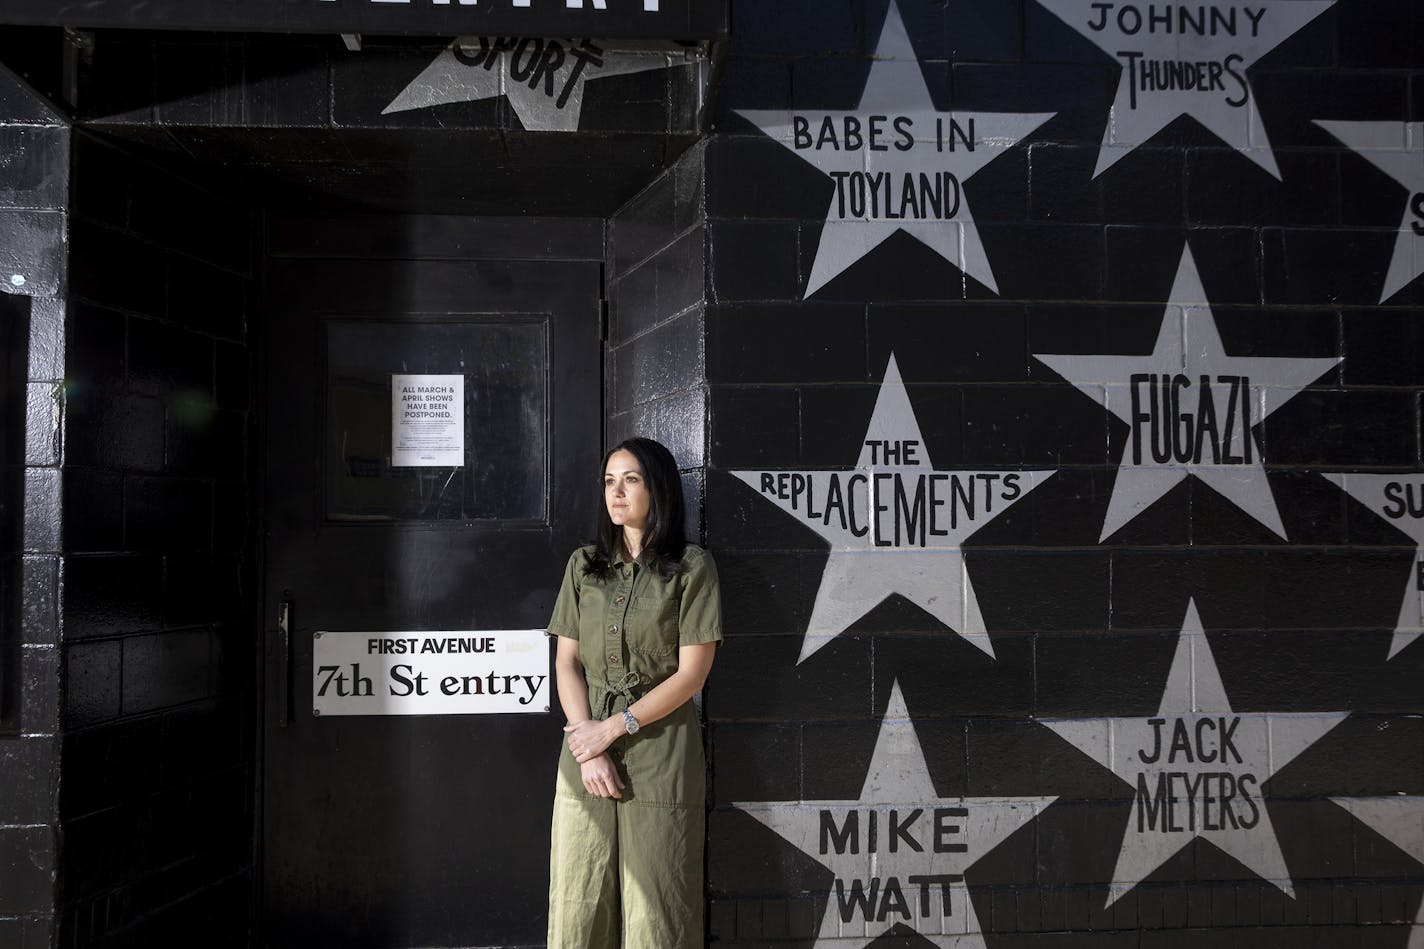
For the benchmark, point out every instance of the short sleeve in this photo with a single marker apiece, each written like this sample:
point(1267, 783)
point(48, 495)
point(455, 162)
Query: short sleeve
point(700, 613)
point(565, 620)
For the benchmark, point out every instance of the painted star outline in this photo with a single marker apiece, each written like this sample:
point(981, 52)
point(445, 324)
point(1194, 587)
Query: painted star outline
point(1400, 820)
point(463, 73)
point(1265, 742)
point(1369, 490)
point(896, 89)
point(898, 777)
point(1397, 149)
point(861, 573)
point(1131, 124)
point(1188, 343)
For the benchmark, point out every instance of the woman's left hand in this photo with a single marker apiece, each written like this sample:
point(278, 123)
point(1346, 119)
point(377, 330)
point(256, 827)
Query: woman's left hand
point(590, 739)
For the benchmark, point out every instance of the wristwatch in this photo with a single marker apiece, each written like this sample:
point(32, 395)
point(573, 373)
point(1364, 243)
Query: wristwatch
point(630, 723)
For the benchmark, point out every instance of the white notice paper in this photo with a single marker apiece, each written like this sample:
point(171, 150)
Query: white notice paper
point(427, 420)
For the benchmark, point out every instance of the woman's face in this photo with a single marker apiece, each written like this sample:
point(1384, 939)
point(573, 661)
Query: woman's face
point(625, 491)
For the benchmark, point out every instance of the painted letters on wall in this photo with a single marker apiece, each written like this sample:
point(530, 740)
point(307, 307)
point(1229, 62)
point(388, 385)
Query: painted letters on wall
point(897, 163)
point(1158, 463)
point(543, 79)
point(1186, 59)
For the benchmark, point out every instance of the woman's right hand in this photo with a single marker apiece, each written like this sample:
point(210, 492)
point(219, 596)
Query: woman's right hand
point(600, 777)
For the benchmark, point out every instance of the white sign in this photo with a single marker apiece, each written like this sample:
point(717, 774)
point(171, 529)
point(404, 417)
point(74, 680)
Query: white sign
point(427, 421)
point(430, 673)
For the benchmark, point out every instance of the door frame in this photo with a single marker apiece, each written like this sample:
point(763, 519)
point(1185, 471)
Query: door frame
point(339, 234)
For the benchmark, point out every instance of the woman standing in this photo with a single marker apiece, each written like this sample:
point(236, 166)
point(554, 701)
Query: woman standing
point(638, 619)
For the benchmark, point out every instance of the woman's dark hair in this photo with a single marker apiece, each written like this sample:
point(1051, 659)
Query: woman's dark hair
point(666, 535)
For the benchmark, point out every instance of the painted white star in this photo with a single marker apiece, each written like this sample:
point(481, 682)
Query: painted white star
point(895, 523)
point(543, 78)
point(1198, 768)
point(1400, 820)
point(900, 852)
point(1190, 407)
point(1397, 149)
point(1186, 59)
point(1399, 500)
point(908, 170)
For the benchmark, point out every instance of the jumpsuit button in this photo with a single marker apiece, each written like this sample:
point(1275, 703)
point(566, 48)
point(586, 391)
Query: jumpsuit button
point(619, 598)
point(614, 661)
point(613, 630)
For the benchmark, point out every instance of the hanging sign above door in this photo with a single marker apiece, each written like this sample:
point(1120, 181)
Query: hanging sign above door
point(647, 19)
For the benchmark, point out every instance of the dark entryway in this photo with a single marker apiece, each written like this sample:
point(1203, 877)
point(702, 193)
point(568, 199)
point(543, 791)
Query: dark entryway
point(242, 213)
point(431, 830)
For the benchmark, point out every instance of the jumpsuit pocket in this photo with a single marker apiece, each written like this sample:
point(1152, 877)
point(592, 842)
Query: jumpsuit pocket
point(655, 649)
point(659, 607)
point(652, 626)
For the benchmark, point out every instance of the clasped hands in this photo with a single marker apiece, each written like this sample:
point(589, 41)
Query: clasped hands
point(588, 740)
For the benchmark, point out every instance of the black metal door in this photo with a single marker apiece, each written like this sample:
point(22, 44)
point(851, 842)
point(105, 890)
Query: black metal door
point(416, 831)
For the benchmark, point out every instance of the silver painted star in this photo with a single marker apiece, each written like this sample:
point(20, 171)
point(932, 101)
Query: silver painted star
point(1400, 820)
point(1198, 768)
point(913, 877)
point(1399, 500)
point(1188, 373)
point(898, 163)
point(1397, 149)
point(543, 79)
point(1191, 63)
point(895, 523)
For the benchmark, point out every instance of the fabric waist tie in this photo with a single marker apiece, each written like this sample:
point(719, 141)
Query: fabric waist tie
point(605, 697)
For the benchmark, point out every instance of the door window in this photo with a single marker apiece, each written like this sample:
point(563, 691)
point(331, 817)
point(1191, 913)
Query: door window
point(504, 367)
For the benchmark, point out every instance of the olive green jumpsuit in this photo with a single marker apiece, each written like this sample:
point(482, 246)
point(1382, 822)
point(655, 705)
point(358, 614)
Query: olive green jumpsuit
point(628, 872)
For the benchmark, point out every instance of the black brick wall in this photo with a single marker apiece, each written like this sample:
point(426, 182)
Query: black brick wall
point(655, 363)
point(35, 142)
point(715, 347)
point(156, 802)
point(1083, 629)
